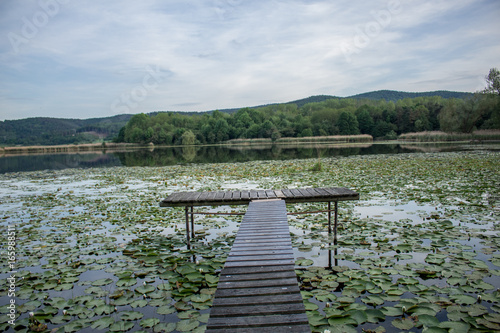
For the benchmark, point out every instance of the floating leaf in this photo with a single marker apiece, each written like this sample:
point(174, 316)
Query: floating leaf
point(403, 324)
point(126, 282)
point(145, 289)
point(131, 315)
point(121, 326)
point(165, 310)
point(101, 282)
point(187, 325)
point(304, 262)
point(102, 323)
point(150, 322)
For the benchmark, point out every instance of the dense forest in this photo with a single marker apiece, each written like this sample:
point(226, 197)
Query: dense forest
point(336, 116)
point(382, 114)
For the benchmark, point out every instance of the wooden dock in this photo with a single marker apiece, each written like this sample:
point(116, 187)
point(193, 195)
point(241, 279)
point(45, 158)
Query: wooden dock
point(188, 200)
point(258, 289)
point(217, 198)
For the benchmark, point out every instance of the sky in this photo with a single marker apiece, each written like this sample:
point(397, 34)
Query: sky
point(90, 59)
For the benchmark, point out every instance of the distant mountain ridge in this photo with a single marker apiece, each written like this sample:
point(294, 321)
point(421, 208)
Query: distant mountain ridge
point(48, 131)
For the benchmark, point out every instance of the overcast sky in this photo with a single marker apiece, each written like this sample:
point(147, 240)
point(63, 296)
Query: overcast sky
point(85, 59)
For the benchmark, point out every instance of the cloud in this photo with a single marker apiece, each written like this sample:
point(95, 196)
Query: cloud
point(231, 53)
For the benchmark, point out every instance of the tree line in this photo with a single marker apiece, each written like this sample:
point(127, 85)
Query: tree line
point(336, 116)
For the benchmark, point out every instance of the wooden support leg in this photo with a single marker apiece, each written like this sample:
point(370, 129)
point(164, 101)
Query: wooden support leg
point(329, 217)
point(335, 223)
point(187, 228)
point(192, 222)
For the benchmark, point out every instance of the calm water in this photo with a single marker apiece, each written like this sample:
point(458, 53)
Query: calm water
point(206, 154)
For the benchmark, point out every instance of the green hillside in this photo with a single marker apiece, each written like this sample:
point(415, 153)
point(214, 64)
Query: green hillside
point(53, 131)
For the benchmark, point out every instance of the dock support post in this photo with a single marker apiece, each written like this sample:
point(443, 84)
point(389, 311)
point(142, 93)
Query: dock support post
point(335, 223)
point(329, 217)
point(192, 222)
point(187, 228)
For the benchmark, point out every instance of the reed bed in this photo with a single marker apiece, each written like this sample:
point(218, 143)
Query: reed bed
point(90, 147)
point(307, 139)
point(439, 136)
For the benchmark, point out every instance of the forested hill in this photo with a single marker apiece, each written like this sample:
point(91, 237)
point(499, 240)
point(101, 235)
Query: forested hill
point(50, 131)
point(392, 95)
point(54, 131)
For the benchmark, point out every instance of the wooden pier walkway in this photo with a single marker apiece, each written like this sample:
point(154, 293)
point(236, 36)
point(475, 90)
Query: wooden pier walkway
point(258, 289)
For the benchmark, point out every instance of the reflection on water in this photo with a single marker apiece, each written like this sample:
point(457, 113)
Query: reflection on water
point(206, 154)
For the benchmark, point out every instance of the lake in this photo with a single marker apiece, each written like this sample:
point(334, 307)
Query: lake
point(205, 154)
point(94, 252)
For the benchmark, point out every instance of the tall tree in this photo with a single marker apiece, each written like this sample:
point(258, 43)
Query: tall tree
point(493, 82)
point(348, 124)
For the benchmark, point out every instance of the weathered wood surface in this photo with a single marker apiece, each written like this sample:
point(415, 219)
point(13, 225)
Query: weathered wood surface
point(244, 197)
point(258, 289)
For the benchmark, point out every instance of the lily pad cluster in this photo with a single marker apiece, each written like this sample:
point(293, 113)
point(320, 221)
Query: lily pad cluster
point(94, 252)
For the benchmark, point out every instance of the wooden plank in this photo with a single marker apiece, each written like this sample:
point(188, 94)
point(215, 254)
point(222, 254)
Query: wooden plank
point(279, 194)
point(260, 263)
point(259, 247)
point(287, 193)
point(203, 196)
point(255, 300)
point(253, 195)
point(270, 194)
point(219, 196)
point(269, 291)
point(257, 283)
point(322, 192)
point(240, 258)
point(296, 193)
point(262, 194)
point(257, 276)
point(240, 270)
point(259, 252)
point(292, 328)
point(256, 321)
point(257, 310)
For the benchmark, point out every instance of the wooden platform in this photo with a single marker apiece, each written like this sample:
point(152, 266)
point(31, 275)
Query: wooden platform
point(258, 289)
point(190, 199)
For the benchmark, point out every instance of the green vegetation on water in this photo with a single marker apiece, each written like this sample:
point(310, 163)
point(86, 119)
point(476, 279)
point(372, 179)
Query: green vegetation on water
point(94, 252)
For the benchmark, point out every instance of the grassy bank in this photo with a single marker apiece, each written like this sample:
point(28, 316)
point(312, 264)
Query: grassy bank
point(90, 147)
point(438, 136)
point(307, 139)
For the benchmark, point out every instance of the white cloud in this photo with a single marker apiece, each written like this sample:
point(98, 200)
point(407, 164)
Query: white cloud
point(235, 53)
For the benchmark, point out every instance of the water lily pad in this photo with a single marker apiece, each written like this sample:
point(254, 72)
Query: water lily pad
point(126, 282)
point(455, 326)
point(202, 298)
point(304, 262)
point(464, 299)
point(187, 325)
point(165, 310)
point(403, 323)
point(150, 322)
point(101, 282)
point(102, 323)
point(164, 327)
point(131, 315)
point(121, 326)
point(145, 289)
point(139, 303)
